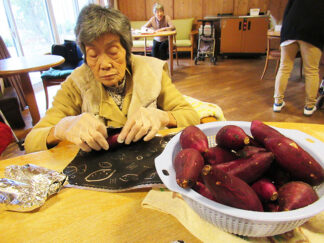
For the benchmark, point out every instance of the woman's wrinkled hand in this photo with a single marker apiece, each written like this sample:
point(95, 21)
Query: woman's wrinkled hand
point(145, 122)
point(84, 130)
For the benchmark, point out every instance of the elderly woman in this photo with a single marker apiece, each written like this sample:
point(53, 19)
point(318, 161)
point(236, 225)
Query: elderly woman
point(160, 22)
point(113, 88)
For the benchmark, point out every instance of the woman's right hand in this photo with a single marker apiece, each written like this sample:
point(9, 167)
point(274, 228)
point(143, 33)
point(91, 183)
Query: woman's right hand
point(84, 130)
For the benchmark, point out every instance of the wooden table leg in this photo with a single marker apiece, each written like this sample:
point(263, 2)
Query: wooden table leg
point(144, 46)
point(30, 97)
point(171, 53)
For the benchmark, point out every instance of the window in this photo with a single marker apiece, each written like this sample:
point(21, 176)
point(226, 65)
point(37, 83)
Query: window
point(32, 26)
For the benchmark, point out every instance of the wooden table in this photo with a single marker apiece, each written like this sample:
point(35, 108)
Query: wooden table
point(23, 65)
point(75, 215)
point(169, 34)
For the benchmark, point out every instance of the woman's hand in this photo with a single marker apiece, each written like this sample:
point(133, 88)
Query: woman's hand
point(84, 130)
point(145, 122)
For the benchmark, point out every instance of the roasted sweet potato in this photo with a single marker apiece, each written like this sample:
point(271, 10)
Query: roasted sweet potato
point(295, 160)
point(248, 169)
point(230, 190)
point(232, 137)
point(265, 190)
point(203, 190)
point(278, 175)
point(271, 207)
point(295, 194)
point(260, 131)
point(112, 141)
point(188, 165)
point(193, 137)
point(249, 150)
point(218, 155)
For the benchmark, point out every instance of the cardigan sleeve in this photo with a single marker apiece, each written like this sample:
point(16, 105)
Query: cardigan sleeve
point(170, 99)
point(67, 102)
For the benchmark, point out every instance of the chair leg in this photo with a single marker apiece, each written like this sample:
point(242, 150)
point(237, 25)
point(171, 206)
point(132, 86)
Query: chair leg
point(46, 94)
point(265, 68)
point(301, 68)
point(277, 66)
point(191, 53)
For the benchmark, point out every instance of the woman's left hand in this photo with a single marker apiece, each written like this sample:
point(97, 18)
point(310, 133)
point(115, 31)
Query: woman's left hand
point(145, 122)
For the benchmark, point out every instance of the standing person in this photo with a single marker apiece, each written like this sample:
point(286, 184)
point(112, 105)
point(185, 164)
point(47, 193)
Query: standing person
point(303, 30)
point(113, 88)
point(160, 22)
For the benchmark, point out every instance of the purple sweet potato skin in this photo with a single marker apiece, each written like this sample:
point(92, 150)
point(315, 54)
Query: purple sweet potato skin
point(271, 207)
point(203, 190)
point(260, 131)
point(248, 169)
point(278, 175)
point(193, 137)
point(249, 150)
point(112, 141)
point(295, 194)
point(188, 164)
point(230, 190)
point(295, 160)
point(265, 190)
point(232, 137)
point(218, 155)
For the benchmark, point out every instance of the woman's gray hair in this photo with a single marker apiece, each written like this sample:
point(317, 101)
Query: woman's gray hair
point(157, 6)
point(95, 20)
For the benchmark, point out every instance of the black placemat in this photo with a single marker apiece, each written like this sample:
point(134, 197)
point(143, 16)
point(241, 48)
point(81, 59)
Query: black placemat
point(124, 168)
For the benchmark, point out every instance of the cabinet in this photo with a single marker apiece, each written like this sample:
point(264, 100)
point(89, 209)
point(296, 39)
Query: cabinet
point(243, 35)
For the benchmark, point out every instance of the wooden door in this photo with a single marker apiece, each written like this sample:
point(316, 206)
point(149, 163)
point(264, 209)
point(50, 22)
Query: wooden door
point(254, 38)
point(231, 35)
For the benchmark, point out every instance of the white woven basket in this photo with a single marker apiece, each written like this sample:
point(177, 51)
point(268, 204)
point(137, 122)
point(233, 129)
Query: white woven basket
point(234, 220)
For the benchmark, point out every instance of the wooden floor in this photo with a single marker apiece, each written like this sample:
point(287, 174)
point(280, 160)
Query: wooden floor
point(234, 84)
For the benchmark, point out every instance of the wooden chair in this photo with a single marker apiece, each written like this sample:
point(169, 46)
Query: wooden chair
point(275, 54)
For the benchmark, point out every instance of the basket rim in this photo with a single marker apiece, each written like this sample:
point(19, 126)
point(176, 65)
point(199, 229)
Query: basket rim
point(165, 160)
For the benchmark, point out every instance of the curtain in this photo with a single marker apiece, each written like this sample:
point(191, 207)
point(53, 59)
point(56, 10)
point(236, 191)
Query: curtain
point(12, 80)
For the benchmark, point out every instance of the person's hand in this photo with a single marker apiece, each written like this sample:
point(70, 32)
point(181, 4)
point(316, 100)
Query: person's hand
point(84, 130)
point(145, 122)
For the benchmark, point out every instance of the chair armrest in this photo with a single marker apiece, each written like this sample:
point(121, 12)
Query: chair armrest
point(194, 32)
point(192, 35)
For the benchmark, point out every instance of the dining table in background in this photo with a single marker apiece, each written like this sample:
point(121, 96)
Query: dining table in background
point(273, 33)
point(171, 36)
point(75, 215)
point(22, 66)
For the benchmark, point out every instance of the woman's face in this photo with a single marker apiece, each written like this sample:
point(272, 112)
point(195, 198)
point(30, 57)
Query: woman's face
point(159, 14)
point(106, 58)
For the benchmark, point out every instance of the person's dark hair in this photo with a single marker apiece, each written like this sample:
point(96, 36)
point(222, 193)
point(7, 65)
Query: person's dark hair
point(95, 20)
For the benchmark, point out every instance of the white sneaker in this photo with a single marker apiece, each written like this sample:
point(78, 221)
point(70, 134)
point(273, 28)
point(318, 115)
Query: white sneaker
point(278, 107)
point(309, 111)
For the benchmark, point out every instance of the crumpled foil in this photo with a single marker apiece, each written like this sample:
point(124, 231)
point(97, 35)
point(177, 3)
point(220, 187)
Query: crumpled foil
point(27, 187)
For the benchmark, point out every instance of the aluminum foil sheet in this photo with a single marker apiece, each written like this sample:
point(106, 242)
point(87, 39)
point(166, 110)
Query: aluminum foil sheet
point(27, 187)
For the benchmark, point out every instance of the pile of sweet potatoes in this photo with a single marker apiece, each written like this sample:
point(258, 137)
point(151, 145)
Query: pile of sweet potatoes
point(263, 172)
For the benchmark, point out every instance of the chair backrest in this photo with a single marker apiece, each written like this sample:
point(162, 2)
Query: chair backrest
point(183, 28)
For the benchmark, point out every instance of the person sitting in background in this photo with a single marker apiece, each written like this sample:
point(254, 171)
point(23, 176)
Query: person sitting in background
point(303, 30)
point(160, 22)
point(113, 88)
